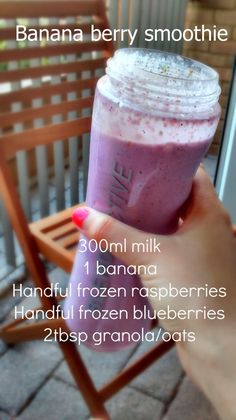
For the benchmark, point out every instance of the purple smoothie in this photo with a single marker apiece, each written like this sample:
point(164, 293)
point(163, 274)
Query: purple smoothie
point(143, 185)
point(157, 175)
point(147, 141)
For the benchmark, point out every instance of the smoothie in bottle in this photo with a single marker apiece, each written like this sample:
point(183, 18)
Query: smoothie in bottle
point(154, 118)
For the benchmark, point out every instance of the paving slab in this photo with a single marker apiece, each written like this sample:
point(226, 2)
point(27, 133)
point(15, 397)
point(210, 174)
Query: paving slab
point(162, 377)
point(59, 276)
point(4, 416)
point(190, 404)
point(56, 401)
point(131, 404)
point(2, 242)
point(102, 366)
point(7, 303)
point(3, 348)
point(15, 276)
point(23, 369)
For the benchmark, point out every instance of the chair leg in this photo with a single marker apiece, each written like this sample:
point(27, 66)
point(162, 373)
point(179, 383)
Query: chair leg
point(84, 382)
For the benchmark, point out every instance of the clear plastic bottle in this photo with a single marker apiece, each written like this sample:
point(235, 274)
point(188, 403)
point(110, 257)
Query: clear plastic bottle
point(154, 117)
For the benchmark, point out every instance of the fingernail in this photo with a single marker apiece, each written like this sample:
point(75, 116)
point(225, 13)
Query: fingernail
point(79, 216)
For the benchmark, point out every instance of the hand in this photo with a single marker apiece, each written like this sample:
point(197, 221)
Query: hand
point(202, 252)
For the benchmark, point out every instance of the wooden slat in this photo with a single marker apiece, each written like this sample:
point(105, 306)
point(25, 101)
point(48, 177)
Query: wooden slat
point(28, 332)
point(54, 252)
point(29, 139)
point(28, 114)
point(10, 33)
point(54, 221)
point(35, 8)
point(46, 91)
point(52, 69)
point(73, 251)
point(69, 240)
point(62, 231)
point(51, 50)
point(43, 231)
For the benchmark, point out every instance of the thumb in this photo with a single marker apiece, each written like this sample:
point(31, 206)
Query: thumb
point(98, 226)
point(202, 203)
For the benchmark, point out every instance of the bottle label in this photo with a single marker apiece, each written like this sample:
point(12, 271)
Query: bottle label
point(120, 190)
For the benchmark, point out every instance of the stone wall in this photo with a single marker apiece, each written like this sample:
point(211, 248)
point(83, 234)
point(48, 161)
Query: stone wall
point(218, 54)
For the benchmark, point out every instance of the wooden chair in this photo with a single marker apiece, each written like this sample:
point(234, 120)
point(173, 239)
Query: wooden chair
point(53, 237)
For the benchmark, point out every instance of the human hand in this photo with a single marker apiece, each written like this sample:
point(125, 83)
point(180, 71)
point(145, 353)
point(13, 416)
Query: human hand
point(202, 252)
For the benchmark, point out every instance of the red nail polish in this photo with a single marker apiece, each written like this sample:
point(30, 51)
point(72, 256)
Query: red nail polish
point(79, 216)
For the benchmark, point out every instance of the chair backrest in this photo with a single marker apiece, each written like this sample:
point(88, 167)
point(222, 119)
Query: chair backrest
point(46, 95)
point(61, 66)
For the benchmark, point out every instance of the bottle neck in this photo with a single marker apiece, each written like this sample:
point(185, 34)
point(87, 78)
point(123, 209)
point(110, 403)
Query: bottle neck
point(156, 81)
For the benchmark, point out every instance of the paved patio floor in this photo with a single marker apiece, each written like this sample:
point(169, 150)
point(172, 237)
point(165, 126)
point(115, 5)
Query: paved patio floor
point(36, 383)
